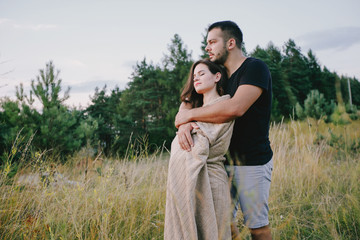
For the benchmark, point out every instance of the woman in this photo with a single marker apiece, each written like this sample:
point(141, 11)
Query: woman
point(198, 198)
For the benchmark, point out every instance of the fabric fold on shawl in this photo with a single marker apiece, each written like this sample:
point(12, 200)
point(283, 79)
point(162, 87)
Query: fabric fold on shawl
point(198, 198)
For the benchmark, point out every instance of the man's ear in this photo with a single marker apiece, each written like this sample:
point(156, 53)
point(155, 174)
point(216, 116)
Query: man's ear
point(231, 43)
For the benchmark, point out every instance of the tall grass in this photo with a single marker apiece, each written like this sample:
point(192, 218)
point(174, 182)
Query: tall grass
point(315, 191)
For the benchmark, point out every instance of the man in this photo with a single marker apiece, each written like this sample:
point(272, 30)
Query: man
point(250, 162)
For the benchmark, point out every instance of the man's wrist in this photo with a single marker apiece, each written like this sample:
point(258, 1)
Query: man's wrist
point(191, 115)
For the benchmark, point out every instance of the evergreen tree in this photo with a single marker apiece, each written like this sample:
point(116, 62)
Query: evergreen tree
point(48, 87)
point(146, 113)
point(56, 128)
point(328, 84)
point(282, 92)
point(355, 91)
point(176, 71)
point(204, 53)
point(296, 70)
point(102, 112)
point(9, 118)
point(315, 106)
point(314, 71)
point(114, 127)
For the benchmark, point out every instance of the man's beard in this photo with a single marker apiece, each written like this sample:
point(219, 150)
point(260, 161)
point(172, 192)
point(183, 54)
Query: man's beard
point(222, 57)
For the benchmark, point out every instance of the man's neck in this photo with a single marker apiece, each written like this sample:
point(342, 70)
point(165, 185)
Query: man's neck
point(234, 61)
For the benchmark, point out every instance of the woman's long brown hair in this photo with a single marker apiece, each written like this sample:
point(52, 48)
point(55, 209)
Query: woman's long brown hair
point(189, 95)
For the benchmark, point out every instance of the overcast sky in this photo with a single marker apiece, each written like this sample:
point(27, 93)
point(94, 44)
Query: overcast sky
point(95, 43)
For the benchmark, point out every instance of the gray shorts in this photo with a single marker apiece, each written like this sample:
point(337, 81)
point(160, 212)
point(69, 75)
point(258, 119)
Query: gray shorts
point(250, 187)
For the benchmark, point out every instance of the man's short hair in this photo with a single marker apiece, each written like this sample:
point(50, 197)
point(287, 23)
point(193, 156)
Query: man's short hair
point(230, 30)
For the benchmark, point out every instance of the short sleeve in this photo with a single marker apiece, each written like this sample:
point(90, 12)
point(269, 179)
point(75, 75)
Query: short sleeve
point(257, 74)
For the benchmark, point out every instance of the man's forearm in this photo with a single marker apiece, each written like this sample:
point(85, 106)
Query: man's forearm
point(217, 113)
point(223, 111)
point(185, 106)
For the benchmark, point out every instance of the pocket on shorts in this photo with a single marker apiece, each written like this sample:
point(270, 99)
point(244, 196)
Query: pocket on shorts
point(268, 168)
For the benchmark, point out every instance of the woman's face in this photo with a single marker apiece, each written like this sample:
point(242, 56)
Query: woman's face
point(204, 80)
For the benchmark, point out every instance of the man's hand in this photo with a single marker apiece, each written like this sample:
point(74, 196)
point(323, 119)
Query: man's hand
point(185, 139)
point(182, 117)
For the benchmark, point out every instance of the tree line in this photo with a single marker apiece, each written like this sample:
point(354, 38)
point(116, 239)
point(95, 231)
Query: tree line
point(142, 115)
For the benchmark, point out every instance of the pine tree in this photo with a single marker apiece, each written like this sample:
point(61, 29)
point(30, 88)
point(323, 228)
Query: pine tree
point(328, 84)
point(176, 71)
point(296, 70)
point(56, 127)
point(146, 112)
point(48, 87)
point(204, 53)
point(314, 71)
point(282, 92)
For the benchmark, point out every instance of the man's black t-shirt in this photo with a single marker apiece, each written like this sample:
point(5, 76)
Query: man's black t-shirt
point(250, 143)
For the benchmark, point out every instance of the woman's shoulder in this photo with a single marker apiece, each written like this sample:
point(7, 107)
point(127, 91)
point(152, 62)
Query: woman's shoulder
point(219, 99)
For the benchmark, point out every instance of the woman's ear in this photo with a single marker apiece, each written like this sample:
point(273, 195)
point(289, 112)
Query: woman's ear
point(217, 77)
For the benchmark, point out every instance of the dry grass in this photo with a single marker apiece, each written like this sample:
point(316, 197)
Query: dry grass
point(315, 191)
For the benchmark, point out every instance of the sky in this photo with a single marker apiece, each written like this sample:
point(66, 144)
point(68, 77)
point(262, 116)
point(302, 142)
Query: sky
point(97, 43)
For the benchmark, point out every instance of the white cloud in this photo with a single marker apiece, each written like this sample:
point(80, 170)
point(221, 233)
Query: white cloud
point(338, 38)
point(32, 27)
point(76, 63)
point(89, 86)
point(37, 27)
point(4, 20)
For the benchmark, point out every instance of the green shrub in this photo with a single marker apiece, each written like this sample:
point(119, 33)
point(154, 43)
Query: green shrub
point(339, 116)
point(315, 106)
point(352, 111)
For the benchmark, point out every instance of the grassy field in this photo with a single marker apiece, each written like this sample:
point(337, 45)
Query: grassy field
point(315, 191)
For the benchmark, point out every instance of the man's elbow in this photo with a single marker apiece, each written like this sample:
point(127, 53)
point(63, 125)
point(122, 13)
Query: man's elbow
point(236, 112)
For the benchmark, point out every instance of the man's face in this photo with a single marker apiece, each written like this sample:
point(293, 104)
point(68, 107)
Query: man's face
point(216, 47)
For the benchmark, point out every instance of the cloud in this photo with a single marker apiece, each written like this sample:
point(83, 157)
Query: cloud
point(130, 63)
point(89, 86)
point(37, 27)
point(4, 20)
point(76, 63)
point(32, 27)
point(336, 39)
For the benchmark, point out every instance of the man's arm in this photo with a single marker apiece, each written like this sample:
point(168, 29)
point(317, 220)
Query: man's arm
point(224, 111)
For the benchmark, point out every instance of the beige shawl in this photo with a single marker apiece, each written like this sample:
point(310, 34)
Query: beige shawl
point(198, 198)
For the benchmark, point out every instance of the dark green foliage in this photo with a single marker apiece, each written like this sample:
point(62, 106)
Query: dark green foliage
point(296, 70)
point(142, 101)
point(294, 75)
point(106, 111)
point(58, 128)
point(282, 92)
point(327, 86)
point(146, 108)
point(204, 53)
point(352, 111)
point(176, 70)
point(142, 115)
point(355, 90)
point(55, 127)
